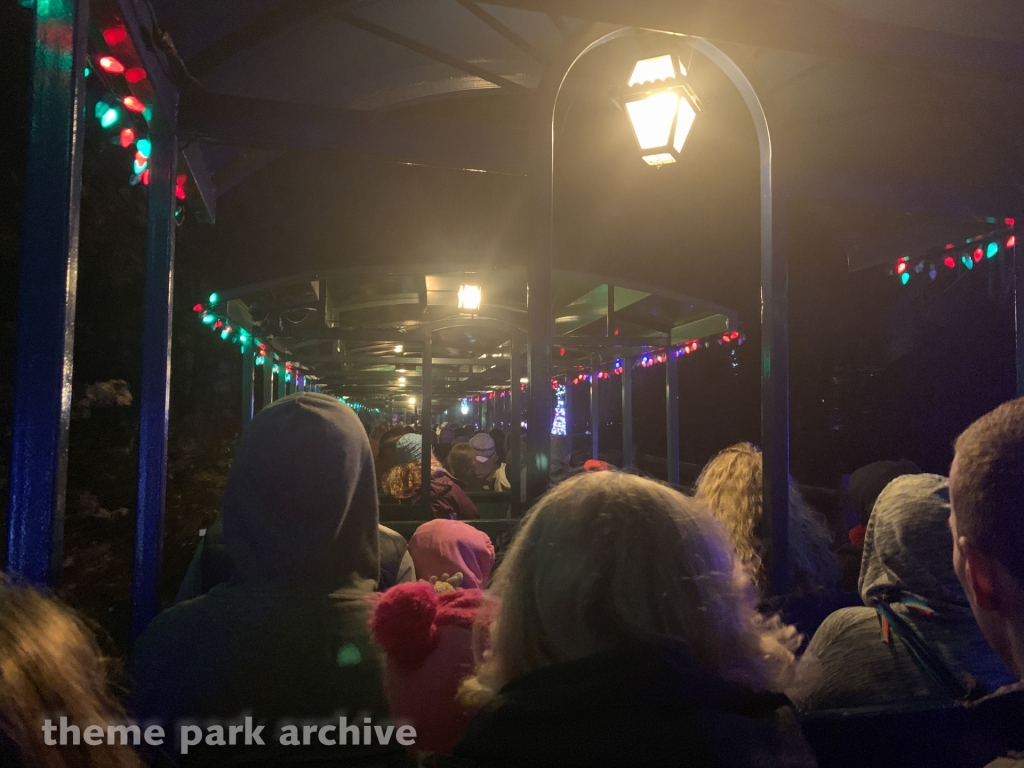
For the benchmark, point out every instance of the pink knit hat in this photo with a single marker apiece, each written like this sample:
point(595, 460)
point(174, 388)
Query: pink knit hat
point(451, 546)
point(427, 639)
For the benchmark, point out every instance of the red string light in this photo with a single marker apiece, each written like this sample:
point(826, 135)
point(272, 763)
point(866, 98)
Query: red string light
point(114, 35)
point(111, 65)
point(135, 75)
point(127, 137)
point(133, 104)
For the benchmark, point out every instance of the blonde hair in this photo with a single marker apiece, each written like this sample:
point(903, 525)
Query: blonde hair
point(609, 558)
point(51, 666)
point(403, 481)
point(731, 486)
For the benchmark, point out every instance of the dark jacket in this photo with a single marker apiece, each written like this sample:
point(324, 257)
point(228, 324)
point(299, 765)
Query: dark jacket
point(286, 639)
point(936, 735)
point(907, 551)
point(637, 706)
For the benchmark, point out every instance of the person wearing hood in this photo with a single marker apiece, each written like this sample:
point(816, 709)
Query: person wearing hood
point(449, 547)
point(628, 634)
point(404, 483)
point(286, 639)
point(915, 638)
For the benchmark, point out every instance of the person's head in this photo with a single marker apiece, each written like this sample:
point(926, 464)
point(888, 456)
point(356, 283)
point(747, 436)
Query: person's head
point(404, 479)
point(300, 504)
point(869, 481)
point(731, 485)
point(607, 559)
point(450, 546)
point(987, 523)
point(486, 455)
point(51, 666)
point(462, 462)
point(907, 545)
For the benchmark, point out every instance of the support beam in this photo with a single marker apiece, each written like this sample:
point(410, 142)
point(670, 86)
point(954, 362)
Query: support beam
point(672, 417)
point(154, 392)
point(628, 457)
point(517, 349)
point(47, 285)
point(236, 120)
point(595, 413)
point(804, 26)
point(428, 431)
point(248, 381)
point(569, 406)
point(282, 387)
point(205, 199)
point(508, 33)
point(1017, 259)
point(430, 52)
point(268, 382)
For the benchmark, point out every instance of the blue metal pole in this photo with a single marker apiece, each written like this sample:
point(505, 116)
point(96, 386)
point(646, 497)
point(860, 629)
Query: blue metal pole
point(268, 381)
point(154, 393)
point(46, 293)
point(282, 388)
point(628, 457)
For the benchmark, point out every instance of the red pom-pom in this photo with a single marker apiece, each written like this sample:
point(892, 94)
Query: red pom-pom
point(402, 622)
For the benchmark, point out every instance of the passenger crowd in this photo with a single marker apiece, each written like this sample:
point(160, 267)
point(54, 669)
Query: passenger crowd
point(626, 623)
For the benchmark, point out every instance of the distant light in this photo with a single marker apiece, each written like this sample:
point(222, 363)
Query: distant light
point(470, 297)
point(978, 254)
point(111, 65)
point(464, 409)
point(135, 75)
point(139, 165)
point(1009, 222)
point(144, 146)
point(412, 401)
point(399, 348)
point(901, 267)
point(524, 380)
point(905, 278)
point(992, 250)
point(949, 261)
point(401, 379)
point(126, 138)
point(132, 104)
point(1011, 241)
point(214, 298)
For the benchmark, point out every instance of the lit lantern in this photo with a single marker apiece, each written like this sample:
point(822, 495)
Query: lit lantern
point(470, 297)
point(661, 108)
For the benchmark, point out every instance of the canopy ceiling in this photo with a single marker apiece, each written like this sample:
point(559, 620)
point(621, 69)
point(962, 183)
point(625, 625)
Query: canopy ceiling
point(360, 332)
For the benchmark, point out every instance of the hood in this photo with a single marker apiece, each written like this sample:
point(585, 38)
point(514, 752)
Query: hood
point(447, 546)
point(908, 546)
point(300, 506)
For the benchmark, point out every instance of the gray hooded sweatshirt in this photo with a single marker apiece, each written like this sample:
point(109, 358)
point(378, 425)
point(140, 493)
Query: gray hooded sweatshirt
point(908, 548)
point(286, 638)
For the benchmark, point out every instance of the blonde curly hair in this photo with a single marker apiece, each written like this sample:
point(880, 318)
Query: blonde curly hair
point(403, 481)
point(608, 558)
point(731, 486)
